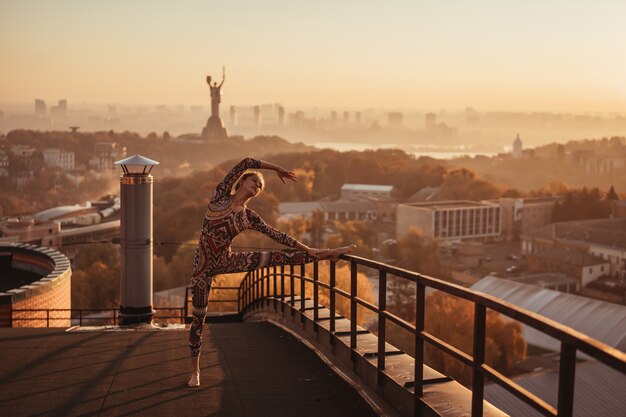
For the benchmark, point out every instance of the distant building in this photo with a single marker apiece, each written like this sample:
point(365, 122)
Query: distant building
point(280, 112)
point(583, 266)
point(60, 109)
point(430, 121)
point(602, 238)
point(4, 161)
point(65, 225)
point(357, 117)
point(557, 281)
point(23, 151)
point(366, 191)
point(517, 147)
point(106, 153)
point(395, 119)
point(59, 158)
point(232, 119)
point(40, 107)
point(521, 215)
point(257, 116)
point(451, 220)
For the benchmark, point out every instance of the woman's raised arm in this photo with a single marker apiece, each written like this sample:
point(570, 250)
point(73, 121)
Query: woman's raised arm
point(226, 185)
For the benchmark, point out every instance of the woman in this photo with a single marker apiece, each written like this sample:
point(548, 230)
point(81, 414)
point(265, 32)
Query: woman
point(226, 217)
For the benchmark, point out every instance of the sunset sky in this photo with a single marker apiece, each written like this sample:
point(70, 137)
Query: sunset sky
point(552, 55)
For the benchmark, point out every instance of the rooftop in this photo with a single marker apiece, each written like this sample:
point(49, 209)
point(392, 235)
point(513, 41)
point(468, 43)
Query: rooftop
point(248, 369)
point(367, 187)
point(450, 204)
point(605, 232)
point(569, 256)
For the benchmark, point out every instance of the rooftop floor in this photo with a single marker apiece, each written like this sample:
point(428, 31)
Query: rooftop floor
point(248, 369)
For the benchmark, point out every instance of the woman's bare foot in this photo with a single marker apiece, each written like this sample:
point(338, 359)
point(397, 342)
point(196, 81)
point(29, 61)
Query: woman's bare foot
point(194, 379)
point(334, 254)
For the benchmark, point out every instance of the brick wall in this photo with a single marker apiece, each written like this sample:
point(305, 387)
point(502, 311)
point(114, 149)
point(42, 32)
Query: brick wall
point(56, 293)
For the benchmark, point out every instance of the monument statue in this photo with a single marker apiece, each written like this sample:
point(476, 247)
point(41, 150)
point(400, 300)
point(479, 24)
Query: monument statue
point(214, 127)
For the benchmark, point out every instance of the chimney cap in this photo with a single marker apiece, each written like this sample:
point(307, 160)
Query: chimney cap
point(137, 160)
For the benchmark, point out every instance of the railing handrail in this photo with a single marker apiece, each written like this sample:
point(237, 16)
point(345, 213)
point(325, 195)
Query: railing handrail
point(252, 290)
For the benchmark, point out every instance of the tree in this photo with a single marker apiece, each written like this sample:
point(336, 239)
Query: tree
point(451, 319)
point(612, 195)
point(581, 205)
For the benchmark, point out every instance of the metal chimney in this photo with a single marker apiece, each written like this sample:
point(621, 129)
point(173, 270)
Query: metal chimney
point(136, 240)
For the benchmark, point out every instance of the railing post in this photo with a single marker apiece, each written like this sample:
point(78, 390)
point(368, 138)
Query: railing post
point(302, 292)
point(478, 386)
point(80, 317)
point(291, 288)
point(239, 299)
point(47, 318)
point(275, 288)
point(332, 301)
point(268, 278)
point(316, 295)
point(282, 287)
point(262, 285)
point(420, 309)
point(567, 376)
point(353, 317)
point(382, 307)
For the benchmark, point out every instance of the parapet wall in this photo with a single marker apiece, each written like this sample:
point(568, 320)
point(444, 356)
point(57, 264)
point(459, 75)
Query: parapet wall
point(52, 291)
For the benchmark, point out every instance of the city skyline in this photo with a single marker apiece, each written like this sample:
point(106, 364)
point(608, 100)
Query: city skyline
point(556, 57)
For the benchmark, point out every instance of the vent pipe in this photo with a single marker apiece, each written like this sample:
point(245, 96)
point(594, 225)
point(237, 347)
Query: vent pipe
point(136, 240)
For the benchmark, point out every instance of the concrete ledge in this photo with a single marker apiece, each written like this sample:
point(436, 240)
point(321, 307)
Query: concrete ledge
point(394, 386)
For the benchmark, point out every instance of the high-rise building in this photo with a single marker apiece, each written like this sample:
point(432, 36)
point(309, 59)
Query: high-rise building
point(357, 117)
point(233, 116)
point(257, 116)
point(517, 147)
point(281, 115)
point(40, 107)
point(395, 119)
point(430, 120)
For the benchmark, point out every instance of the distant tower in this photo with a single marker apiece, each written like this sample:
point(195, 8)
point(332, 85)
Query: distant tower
point(40, 107)
point(281, 115)
point(333, 116)
point(257, 116)
point(395, 119)
point(346, 117)
point(430, 120)
point(357, 117)
point(517, 147)
point(233, 116)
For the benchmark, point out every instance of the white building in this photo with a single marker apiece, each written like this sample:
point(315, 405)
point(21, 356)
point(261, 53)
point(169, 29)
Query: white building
point(451, 220)
point(366, 192)
point(23, 151)
point(59, 158)
point(106, 154)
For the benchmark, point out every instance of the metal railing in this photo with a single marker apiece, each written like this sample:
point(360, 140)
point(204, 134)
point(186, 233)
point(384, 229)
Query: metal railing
point(84, 316)
point(258, 286)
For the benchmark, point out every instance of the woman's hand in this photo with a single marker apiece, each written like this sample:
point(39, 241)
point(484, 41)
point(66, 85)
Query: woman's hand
point(285, 175)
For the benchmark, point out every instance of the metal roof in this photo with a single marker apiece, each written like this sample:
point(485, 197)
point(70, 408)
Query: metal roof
point(601, 320)
point(598, 391)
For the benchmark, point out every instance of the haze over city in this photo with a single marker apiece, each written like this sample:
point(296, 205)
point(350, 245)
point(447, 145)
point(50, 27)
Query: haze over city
point(556, 56)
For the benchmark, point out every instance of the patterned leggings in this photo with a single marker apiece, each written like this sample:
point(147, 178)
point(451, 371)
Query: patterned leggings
point(233, 262)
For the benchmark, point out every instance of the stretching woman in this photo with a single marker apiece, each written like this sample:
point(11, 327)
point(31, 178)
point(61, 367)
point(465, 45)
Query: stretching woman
point(226, 217)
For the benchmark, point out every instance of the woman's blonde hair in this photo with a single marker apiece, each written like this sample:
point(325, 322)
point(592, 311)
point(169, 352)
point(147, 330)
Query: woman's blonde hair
point(246, 175)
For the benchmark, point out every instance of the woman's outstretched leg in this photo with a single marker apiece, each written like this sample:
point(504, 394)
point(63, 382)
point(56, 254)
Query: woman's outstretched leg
point(200, 288)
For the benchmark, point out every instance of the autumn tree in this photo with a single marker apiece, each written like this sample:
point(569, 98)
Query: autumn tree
point(581, 204)
point(451, 319)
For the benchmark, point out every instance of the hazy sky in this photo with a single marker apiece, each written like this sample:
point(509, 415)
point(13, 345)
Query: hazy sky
point(564, 55)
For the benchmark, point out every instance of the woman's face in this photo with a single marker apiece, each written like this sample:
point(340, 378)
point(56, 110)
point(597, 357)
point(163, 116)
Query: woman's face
point(252, 184)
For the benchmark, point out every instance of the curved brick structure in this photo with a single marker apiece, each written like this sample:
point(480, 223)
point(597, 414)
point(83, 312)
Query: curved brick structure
point(50, 288)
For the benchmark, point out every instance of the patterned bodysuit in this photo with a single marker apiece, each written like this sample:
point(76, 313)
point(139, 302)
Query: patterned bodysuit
point(213, 255)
